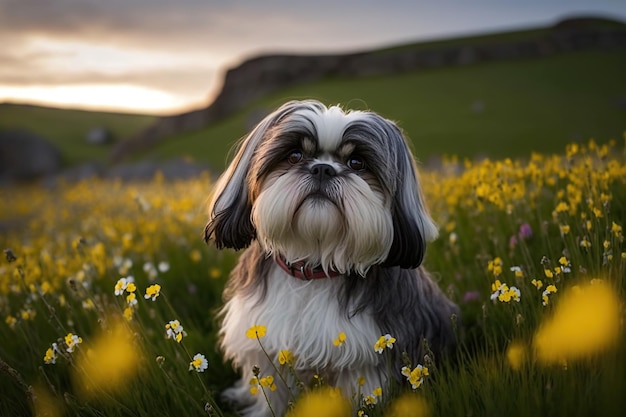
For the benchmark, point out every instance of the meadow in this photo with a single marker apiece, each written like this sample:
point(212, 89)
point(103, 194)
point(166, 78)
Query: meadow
point(108, 295)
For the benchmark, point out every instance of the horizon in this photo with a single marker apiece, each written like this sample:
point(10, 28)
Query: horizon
point(159, 59)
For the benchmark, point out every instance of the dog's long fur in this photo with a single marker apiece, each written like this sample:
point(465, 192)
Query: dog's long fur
point(336, 190)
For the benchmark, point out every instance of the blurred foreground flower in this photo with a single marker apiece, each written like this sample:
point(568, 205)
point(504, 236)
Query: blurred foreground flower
point(327, 402)
point(586, 320)
point(515, 355)
point(108, 363)
point(408, 406)
point(46, 404)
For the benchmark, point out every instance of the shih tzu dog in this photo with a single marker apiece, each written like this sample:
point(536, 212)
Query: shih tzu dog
point(328, 204)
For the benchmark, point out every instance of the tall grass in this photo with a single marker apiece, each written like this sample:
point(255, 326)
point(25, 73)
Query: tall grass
point(71, 315)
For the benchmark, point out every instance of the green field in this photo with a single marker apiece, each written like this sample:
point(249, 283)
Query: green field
point(532, 250)
point(66, 129)
point(538, 104)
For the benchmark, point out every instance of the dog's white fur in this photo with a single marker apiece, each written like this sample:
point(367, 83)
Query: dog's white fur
point(296, 190)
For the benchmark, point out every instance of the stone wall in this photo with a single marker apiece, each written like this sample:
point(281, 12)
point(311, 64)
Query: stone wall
point(263, 75)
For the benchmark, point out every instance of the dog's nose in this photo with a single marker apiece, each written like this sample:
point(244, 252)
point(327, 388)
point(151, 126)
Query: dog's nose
point(323, 172)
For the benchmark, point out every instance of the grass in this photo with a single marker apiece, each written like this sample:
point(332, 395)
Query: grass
point(67, 129)
point(538, 104)
point(505, 225)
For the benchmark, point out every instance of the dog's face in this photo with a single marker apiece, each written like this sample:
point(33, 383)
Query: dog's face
point(332, 188)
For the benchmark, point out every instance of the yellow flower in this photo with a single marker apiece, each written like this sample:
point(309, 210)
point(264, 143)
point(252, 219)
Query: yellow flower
point(131, 299)
point(71, 341)
point(616, 229)
point(110, 362)
point(515, 355)
point(152, 292)
point(562, 207)
point(256, 332)
point(323, 402)
point(215, 273)
point(537, 283)
point(586, 321)
point(408, 405)
point(564, 229)
point(548, 273)
point(415, 376)
point(285, 357)
point(385, 341)
point(124, 284)
point(195, 255)
point(254, 386)
point(340, 340)
point(10, 321)
point(51, 354)
point(128, 313)
point(598, 213)
point(268, 382)
point(495, 266)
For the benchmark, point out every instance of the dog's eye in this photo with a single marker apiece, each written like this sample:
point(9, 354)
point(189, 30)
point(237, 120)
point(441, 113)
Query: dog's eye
point(356, 163)
point(294, 157)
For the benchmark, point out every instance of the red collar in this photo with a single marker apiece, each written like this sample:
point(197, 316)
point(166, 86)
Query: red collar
point(298, 270)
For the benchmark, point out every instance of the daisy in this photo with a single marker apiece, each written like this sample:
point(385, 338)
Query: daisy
point(199, 363)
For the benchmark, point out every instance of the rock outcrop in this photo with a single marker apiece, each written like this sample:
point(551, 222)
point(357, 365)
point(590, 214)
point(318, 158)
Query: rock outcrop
point(26, 156)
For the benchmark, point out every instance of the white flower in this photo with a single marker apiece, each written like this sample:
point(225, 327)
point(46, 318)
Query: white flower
point(199, 363)
point(164, 267)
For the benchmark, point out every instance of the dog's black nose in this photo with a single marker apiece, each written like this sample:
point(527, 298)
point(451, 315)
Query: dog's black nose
point(323, 172)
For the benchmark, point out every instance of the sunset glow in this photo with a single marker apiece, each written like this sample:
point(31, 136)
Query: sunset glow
point(114, 97)
point(166, 57)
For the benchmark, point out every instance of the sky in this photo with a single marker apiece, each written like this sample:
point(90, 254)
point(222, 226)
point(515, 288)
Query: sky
point(169, 56)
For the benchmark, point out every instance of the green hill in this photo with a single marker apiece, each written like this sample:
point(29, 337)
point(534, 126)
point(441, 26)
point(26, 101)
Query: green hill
point(527, 105)
point(497, 108)
point(67, 128)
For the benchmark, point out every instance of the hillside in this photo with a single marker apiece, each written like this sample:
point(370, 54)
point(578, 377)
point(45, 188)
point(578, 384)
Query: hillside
point(501, 94)
point(66, 129)
point(495, 94)
point(532, 105)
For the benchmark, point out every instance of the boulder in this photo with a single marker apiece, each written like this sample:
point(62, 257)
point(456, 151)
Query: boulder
point(26, 156)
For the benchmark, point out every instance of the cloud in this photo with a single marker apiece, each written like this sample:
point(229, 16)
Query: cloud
point(180, 46)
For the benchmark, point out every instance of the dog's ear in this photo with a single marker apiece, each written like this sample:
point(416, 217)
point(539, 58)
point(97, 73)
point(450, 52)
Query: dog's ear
point(412, 225)
point(229, 224)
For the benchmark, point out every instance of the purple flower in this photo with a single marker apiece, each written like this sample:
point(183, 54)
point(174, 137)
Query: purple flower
point(525, 231)
point(471, 296)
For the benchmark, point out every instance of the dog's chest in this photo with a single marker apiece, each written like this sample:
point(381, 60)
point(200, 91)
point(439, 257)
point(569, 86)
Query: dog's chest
point(306, 318)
